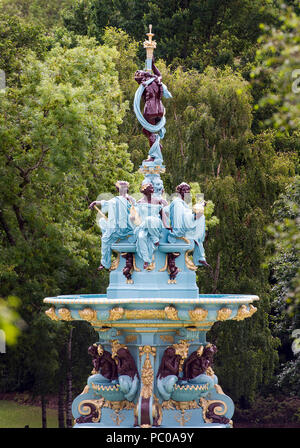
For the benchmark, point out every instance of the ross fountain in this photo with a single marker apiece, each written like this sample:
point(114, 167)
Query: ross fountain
point(152, 365)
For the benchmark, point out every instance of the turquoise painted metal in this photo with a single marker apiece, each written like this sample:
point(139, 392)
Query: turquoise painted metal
point(152, 362)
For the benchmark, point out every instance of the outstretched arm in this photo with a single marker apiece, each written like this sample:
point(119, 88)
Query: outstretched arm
point(155, 70)
point(92, 204)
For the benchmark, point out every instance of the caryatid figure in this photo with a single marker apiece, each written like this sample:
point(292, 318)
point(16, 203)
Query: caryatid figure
point(117, 224)
point(187, 223)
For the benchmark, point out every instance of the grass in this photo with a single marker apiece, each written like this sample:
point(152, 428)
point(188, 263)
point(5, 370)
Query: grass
point(15, 415)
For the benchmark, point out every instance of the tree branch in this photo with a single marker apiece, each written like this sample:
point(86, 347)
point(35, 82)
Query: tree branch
point(6, 229)
point(21, 221)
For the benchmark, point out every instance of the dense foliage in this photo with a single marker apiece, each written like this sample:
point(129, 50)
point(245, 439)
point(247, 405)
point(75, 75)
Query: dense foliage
point(68, 132)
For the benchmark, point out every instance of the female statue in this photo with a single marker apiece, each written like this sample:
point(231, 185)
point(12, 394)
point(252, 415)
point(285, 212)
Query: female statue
point(117, 225)
point(187, 223)
point(149, 222)
point(153, 91)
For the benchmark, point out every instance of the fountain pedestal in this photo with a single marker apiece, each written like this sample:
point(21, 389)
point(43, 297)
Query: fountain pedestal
point(147, 317)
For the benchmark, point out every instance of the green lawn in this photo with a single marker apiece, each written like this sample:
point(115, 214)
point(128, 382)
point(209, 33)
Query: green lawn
point(15, 415)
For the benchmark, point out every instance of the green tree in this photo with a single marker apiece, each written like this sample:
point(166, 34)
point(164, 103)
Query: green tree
point(36, 11)
point(278, 57)
point(17, 39)
point(58, 126)
point(190, 33)
point(285, 279)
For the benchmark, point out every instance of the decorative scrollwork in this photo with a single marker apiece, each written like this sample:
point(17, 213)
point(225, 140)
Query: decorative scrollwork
point(90, 411)
point(214, 411)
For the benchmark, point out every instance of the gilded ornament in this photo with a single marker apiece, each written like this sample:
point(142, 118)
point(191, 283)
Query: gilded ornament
point(131, 338)
point(224, 314)
point(167, 338)
point(171, 312)
point(147, 371)
point(182, 349)
point(134, 265)
point(116, 313)
point(88, 314)
point(115, 346)
point(180, 405)
point(189, 262)
point(118, 405)
point(144, 314)
point(244, 312)
point(157, 412)
point(51, 313)
point(115, 263)
point(252, 310)
point(184, 239)
point(151, 266)
point(65, 314)
point(198, 314)
point(182, 419)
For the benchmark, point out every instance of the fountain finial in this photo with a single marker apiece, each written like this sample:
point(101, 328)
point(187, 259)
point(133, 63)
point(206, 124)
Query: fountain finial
point(150, 46)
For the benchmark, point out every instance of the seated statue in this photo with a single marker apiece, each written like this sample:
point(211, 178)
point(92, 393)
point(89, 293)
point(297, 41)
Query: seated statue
point(187, 223)
point(168, 372)
point(148, 222)
point(117, 225)
point(197, 368)
point(105, 369)
point(128, 376)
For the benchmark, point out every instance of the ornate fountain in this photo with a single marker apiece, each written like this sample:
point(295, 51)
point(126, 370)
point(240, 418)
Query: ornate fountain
point(152, 365)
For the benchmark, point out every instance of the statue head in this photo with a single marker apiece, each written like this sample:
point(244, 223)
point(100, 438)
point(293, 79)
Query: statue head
point(210, 350)
point(122, 186)
point(147, 188)
point(183, 190)
point(92, 350)
point(142, 75)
